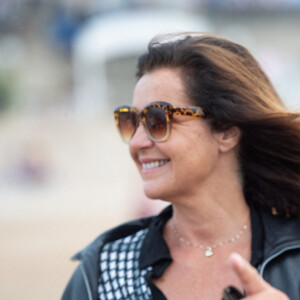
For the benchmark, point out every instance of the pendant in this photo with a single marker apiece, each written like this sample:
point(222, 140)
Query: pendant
point(209, 252)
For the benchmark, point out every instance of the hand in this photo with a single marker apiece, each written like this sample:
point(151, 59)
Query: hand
point(256, 287)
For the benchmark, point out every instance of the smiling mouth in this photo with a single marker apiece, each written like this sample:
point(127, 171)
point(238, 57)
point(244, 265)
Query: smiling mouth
point(153, 164)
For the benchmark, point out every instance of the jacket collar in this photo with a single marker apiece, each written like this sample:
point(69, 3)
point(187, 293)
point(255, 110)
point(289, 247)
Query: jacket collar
point(280, 232)
point(157, 256)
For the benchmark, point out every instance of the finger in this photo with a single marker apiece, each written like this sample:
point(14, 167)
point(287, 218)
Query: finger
point(248, 275)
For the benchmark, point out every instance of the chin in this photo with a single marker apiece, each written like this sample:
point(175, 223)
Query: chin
point(155, 192)
point(152, 192)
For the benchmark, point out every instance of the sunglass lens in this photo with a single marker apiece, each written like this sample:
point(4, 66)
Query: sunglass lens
point(127, 124)
point(156, 123)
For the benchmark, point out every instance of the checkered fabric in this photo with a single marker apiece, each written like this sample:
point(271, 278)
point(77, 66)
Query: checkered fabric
point(121, 277)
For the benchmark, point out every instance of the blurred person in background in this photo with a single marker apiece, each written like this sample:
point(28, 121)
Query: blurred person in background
point(218, 144)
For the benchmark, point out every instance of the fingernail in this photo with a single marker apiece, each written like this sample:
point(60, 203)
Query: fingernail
point(236, 260)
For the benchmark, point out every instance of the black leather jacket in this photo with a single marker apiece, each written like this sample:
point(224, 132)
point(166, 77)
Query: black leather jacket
point(280, 267)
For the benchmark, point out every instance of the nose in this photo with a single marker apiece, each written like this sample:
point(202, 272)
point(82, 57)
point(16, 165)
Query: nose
point(140, 139)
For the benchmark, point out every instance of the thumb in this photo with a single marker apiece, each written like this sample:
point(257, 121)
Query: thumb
point(248, 275)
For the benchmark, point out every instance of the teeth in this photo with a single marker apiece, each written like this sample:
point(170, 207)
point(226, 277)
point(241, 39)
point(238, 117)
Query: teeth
point(154, 164)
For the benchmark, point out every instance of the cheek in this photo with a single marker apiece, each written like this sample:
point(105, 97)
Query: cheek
point(195, 160)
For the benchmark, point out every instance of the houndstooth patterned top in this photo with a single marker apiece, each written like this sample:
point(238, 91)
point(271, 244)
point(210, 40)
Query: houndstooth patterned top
point(121, 276)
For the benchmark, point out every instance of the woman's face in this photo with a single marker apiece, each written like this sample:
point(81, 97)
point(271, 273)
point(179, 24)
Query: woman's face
point(188, 158)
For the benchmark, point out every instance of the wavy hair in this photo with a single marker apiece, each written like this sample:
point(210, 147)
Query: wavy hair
point(227, 82)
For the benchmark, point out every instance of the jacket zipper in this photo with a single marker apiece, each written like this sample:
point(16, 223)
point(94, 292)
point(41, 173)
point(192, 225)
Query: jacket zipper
point(275, 255)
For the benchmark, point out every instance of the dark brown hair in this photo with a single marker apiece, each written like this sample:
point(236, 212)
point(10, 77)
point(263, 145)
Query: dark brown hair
point(227, 82)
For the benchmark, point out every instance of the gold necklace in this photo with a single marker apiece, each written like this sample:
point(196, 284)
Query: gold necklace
point(208, 249)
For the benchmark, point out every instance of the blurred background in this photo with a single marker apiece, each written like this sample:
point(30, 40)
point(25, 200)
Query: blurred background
point(65, 175)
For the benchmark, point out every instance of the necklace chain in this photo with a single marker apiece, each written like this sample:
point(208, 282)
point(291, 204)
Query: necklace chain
point(208, 249)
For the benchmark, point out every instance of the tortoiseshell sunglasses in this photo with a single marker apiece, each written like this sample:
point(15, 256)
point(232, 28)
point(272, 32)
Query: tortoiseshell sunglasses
point(156, 118)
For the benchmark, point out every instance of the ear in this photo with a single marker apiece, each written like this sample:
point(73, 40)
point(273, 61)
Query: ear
point(228, 139)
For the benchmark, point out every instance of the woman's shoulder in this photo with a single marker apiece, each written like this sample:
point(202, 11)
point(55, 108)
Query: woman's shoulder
point(280, 232)
point(108, 246)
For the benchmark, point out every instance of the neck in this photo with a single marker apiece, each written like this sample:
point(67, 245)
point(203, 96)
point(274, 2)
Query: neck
point(213, 212)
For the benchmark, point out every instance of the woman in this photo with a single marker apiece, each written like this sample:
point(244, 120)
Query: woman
point(218, 144)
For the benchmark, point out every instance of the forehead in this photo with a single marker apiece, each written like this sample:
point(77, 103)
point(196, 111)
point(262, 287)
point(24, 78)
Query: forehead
point(163, 84)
